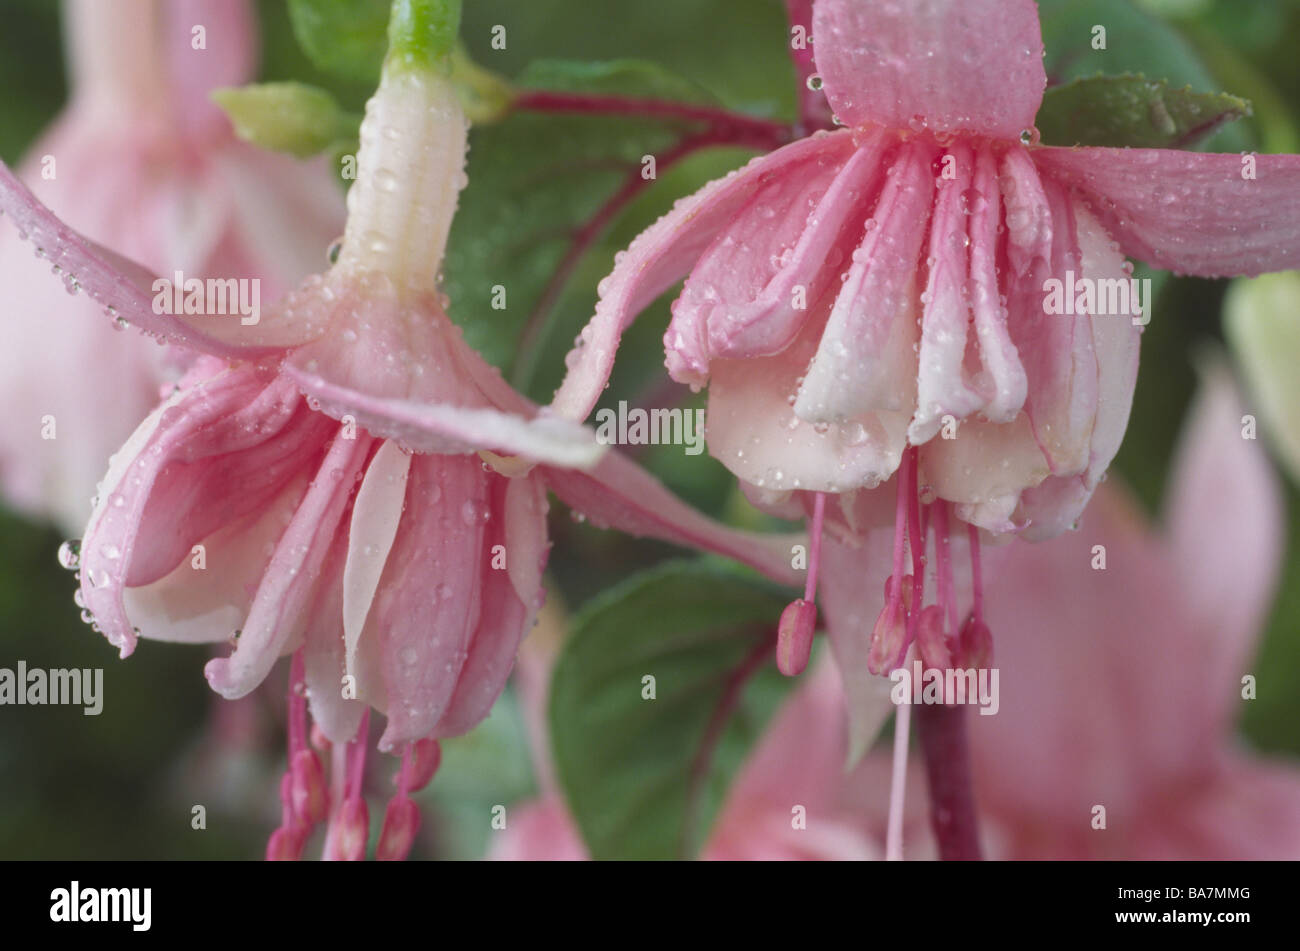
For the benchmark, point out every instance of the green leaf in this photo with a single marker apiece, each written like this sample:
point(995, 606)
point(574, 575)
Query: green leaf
point(1133, 111)
point(348, 38)
point(287, 117)
point(534, 179)
point(645, 778)
point(1135, 42)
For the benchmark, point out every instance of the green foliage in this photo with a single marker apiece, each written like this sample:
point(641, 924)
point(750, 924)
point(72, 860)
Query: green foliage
point(1133, 111)
point(645, 777)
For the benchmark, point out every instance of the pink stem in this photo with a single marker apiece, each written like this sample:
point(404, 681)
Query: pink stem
point(943, 567)
point(942, 730)
point(357, 757)
point(975, 574)
point(815, 546)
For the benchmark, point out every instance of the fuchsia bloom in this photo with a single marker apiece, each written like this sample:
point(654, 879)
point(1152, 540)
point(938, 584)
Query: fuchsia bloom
point(142, 161)
point(856, 292)
point(367, 492)
point(1128, 699)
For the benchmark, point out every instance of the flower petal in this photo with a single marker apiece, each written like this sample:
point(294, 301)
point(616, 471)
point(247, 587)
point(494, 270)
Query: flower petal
point(621, 495)
point(943, 386)
point(867, 358)
point(750, 292)
point(325, 656)
point(1189, 212)
point(107, 279)
point(511, 599)
point(283, 601)
point(440, 428)
point(754, 431)
point(661, 255)
point(955, 65)
point(1225, 519)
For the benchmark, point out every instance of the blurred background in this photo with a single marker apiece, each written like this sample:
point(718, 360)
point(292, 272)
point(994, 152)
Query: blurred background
point(122, 784)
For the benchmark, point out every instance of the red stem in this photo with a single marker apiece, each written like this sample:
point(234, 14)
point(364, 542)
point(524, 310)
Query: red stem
point(736, 128)
point(947, 769)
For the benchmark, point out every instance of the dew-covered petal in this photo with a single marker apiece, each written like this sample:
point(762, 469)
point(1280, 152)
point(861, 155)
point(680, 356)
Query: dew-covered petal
point(1212, 215)
point(949, 65)
point(430, 598)
point(511, 599)
point(754, 429)
point(867, 357)
point(943, 385)
point(751, 290)
point(283, 600)
point(106, 279)
point(663, 254)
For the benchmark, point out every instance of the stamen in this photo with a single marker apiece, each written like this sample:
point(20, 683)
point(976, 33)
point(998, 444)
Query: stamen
point(349, 828)
point(401, 818)
point(916, 542)
point(898, 784)
point(794, 632)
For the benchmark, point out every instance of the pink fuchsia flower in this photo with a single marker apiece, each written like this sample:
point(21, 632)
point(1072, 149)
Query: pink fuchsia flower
point(857, 296)
point(798, 762)
point(140, 160)
point(348, 482)
point(1128, 699)
point(850, 291)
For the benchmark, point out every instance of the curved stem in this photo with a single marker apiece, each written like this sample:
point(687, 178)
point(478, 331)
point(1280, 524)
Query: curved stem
point(727, 127)
point(942, 730)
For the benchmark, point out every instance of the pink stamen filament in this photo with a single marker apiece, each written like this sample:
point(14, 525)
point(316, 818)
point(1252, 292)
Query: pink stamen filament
point(815, 547)
point(943, 566)
point(357, 757)
point(898, 784)
point(976, 577)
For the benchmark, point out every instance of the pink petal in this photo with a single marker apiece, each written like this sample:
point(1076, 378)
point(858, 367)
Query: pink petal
point(376, 517)
point(1006, 384)
point(104, 281)
point(985, 461)
point(440, 428)
point(283, 599)
point(112, 535)
point(1225, 516)
point(943, 385)
point(953, 65)
point(740, 298)
point(754, 430)
point(429, 600)
point(508, 609)
point(867, 358)
point(1189, 212)
point(227, 59)
point(325, 656)
point(619, 494)
point(665, 252)
point(539, 831)
point(193, 605)
point(1250, 811)
point(1056, 350)
point(851, 589)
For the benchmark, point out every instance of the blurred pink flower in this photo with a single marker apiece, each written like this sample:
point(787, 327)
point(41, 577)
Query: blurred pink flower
point(1128, 699)
point(346, 480)
point(142, 161)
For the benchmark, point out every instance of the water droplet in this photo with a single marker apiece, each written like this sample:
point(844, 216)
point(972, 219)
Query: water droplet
point(814, 82)
point(70, 554)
